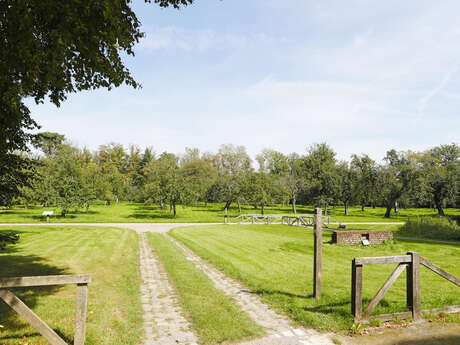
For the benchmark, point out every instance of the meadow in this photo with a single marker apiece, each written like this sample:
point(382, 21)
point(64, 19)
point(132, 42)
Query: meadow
point(109, 254)
point(130, 212)
point(276, 261)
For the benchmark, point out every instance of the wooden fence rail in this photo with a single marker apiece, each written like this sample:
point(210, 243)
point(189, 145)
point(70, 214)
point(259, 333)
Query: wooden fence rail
point(411, 263)
point(81, 280)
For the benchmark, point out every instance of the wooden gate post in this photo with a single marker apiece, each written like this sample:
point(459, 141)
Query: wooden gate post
point(413, 286)
point(356, 290)
point(317, 261)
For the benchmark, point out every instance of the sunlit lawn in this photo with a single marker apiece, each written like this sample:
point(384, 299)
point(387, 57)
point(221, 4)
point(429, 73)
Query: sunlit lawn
point(276, 262)
point(109, 254)
point(125, 212)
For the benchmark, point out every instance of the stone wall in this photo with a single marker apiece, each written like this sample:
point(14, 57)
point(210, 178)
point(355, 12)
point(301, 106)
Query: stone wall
point(356, 236)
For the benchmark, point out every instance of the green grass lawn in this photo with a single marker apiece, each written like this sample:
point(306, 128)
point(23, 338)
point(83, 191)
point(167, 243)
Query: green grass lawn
point(109, 254)
point(125, 212)
point(214, 316)
point(276, 262)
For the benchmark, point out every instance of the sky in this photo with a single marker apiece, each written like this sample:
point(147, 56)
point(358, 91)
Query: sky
point(364, 76)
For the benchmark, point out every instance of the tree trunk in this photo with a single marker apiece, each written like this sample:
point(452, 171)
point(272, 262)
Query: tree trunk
point(294, 206)
point(363, 207)
point(346, 208)
point(227, 204)
point(396, 207)
point(439, 208)
point(373, 205)
point(63, 212)
point(388, 211)
point(255, 206)
point(239, 207)
point(87, 208)
point(262, 208)
point(170, 208)
point(162, 205)
point(174, 207)
point(325, 209)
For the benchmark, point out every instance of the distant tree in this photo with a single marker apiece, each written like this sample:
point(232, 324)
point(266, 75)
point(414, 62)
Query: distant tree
point(348, 180)
point(396, 178)
point(439, 174)
point(260, 188)
point(48, 142)
point(366, 170)
point(321, 175)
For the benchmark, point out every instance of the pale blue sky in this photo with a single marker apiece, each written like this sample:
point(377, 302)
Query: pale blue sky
point(364, 76)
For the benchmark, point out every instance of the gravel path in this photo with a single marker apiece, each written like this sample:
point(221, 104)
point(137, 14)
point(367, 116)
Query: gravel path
point(164, 323)
point(278, 327)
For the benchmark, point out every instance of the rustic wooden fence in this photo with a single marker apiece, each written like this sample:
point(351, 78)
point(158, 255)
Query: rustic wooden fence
point(82, 281)
point(411, 263)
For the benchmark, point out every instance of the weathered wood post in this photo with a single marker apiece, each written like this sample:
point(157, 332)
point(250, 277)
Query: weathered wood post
point(80, 315)
point(317, 262)
point(356, 290)
point(413, 286)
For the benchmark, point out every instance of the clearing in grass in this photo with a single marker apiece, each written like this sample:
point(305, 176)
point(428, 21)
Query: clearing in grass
point(109, 254)
point(276, 262)
point(214, 316)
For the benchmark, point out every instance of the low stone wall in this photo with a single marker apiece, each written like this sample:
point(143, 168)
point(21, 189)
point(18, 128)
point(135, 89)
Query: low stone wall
point(356, 236)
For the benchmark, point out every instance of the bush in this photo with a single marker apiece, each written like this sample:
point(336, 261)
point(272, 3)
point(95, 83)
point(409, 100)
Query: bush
point(432, 228)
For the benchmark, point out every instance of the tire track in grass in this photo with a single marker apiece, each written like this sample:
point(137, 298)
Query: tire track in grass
point(163, 320)
point(278, 327)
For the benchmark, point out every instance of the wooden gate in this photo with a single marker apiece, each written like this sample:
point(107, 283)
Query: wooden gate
point(82, 281)
point(411, 263)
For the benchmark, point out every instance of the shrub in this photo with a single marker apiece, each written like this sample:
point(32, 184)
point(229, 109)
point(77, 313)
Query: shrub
point(432, 228)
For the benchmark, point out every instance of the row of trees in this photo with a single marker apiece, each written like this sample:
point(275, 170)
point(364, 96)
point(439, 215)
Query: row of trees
point(71, 178)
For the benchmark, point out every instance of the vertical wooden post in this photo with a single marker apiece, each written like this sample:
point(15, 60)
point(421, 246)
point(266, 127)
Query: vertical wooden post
point(317, 262)
point(80, 316)
point(356, 290)
point(415, 286)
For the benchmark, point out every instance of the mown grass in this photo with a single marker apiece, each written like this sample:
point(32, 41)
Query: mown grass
point(109, 254)
point(214, 316)
point(126, 212)
point(432, 228)
point(276, 262)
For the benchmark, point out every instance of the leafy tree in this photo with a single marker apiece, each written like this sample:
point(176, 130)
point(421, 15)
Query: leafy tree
point(366, 169)
point(348, 180)
point(396, 178)
point(439, 174)
point(261, 189)
point(321, 173)
point(48, 142)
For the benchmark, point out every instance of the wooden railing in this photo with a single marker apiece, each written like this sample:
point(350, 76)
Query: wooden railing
point(82, 281)
point(411, 263)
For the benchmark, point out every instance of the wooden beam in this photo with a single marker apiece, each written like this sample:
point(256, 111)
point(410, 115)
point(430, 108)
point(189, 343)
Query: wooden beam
point(383, 290)
point(17, 305)
point(415, 287)
point(317, 261)
point(356, 290)
point(44, 280)
point(440, 271)
point(80, 315)
point(384, 260)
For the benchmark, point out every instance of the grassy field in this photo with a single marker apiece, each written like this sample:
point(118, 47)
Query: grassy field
point(109, 254)
point(276, 262)
point(214, 316)
point(125, 212)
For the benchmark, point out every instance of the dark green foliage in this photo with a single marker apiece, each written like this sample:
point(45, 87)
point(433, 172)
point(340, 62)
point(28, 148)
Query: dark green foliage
point(8, 238)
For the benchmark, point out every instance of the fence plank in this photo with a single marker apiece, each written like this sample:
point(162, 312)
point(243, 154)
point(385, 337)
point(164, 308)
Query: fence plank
point(384, 260)
point(440, 271)
point(17, 305)
point(383, 290)
point(44, 280)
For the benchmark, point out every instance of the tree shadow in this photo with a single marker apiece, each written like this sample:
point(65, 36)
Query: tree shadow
point(443, 340)
point(22, 266)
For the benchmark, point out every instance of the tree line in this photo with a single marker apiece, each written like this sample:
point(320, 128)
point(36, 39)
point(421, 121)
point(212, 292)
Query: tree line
point(63, 175)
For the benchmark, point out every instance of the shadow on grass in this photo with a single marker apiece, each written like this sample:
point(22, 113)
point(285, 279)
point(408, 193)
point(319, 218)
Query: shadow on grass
point(443, 340)
point(21, 266)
